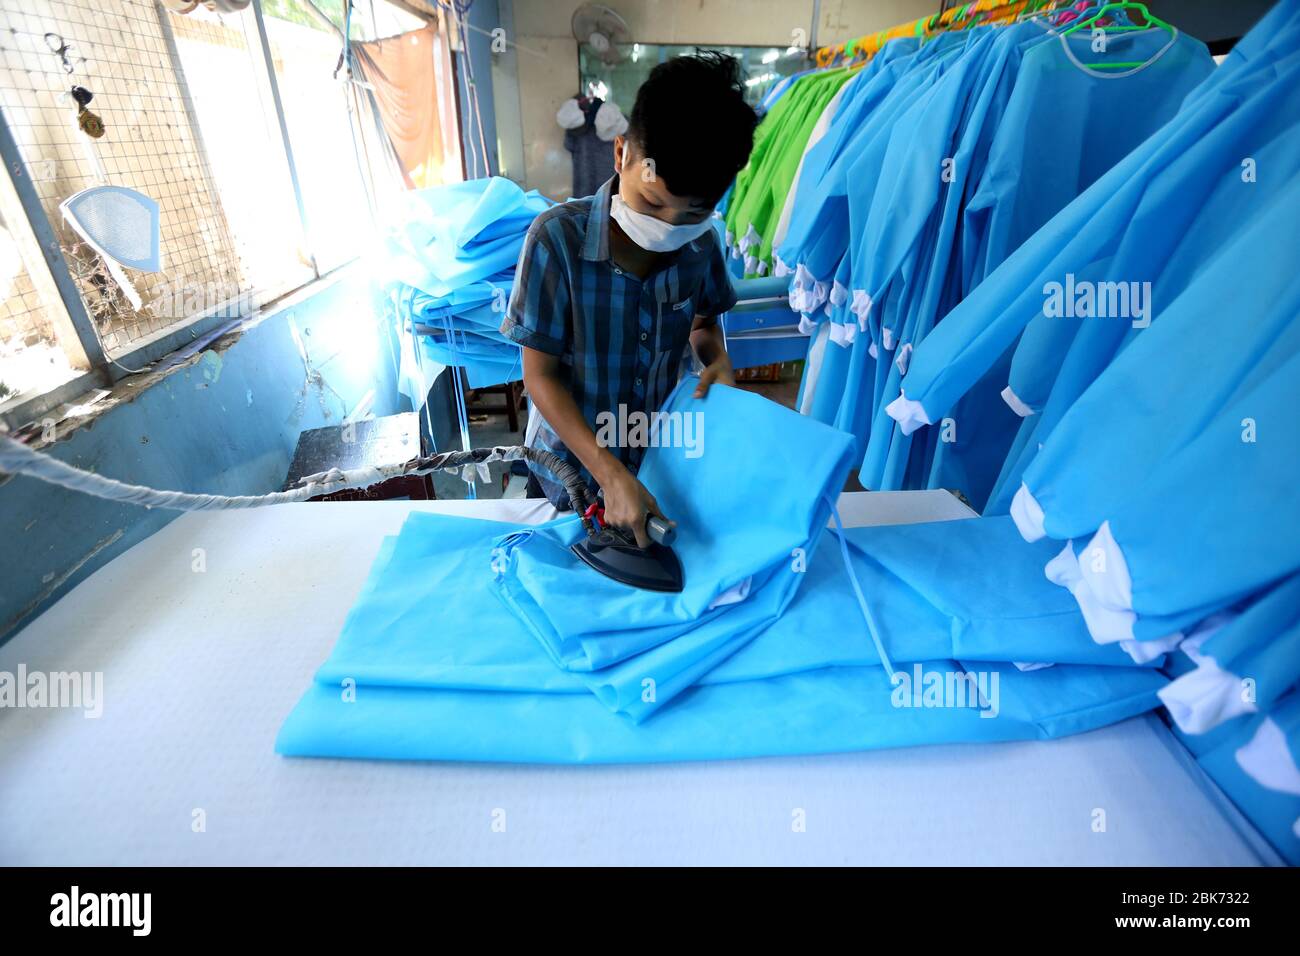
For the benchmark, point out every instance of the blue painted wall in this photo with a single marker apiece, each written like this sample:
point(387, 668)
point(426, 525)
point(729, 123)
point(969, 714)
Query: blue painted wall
point(226, 424)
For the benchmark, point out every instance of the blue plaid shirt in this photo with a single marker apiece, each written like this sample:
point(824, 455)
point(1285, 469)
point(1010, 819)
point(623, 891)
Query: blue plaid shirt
point(620, 339)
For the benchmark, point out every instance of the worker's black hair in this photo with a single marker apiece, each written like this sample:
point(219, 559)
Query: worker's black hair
point(692, 120)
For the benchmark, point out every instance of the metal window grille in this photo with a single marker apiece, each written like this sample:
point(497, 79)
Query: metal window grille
point(119, 50)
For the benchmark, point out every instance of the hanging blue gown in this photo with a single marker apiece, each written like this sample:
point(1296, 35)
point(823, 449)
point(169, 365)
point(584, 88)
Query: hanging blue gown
point(1230, 489)
point(980, 330)
point(1023, 184)
point(1158, 395)
point(1244, 666)
point(911, 233)
point(820, 183)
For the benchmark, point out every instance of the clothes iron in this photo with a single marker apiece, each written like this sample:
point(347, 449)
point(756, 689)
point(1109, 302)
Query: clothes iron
point(611, 551)
point(614, 553)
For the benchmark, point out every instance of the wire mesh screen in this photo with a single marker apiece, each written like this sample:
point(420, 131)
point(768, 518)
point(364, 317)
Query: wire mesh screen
point(122, 52)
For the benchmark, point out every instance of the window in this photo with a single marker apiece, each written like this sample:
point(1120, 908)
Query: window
point(119, 51)
point(221, 61)
point(346, 170)
point(318, 112)
point(32, 361)
point(267, 170)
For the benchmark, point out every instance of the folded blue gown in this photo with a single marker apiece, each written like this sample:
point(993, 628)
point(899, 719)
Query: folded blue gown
point(987, 585)
point(432, 664)
point(454, 235)
point(588, 622)
point(449, 267)
point(929, 607)
point(829, 710)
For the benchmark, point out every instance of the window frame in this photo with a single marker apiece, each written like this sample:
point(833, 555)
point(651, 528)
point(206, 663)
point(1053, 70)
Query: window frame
point(75, 330)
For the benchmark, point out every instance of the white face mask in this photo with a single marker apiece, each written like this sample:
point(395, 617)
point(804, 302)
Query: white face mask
point(651, 234)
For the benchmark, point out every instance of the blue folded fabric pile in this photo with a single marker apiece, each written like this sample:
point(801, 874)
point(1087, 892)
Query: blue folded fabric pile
point(448, 268)
point(475, 640)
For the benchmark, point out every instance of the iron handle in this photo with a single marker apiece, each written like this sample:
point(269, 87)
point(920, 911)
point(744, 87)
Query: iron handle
point(660, 531)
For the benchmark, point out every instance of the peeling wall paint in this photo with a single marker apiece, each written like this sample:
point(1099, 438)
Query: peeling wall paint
point(209, 367)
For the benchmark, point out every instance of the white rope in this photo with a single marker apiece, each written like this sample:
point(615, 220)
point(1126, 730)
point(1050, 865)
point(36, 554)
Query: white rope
point(17, 459)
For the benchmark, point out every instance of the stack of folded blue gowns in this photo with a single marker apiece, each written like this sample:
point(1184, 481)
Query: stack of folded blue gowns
point(476, 640)
point(1158, 452)
point(448, 267)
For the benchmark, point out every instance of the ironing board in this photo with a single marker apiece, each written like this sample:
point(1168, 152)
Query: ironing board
point(200, 669)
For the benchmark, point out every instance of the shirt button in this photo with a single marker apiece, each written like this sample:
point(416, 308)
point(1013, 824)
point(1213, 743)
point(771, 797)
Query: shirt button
point(643, 336)
point(638, 382)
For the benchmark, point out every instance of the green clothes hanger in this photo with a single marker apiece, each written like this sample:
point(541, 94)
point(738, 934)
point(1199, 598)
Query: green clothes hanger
point(1149, 20)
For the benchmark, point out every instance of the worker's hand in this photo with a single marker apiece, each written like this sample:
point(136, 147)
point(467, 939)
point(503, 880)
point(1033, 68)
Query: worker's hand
point(627, 504)
point(719, 371)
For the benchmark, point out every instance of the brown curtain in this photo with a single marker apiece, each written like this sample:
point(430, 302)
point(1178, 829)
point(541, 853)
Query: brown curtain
point(402, 71)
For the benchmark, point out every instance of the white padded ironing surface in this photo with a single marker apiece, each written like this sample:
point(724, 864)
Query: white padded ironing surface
point(201, 668)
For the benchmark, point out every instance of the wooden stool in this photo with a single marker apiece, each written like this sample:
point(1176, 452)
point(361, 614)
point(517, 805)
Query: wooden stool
point(513, 395)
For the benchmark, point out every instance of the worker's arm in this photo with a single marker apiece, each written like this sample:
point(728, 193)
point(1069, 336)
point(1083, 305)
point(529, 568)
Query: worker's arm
point(711, 349)
point(627, 503)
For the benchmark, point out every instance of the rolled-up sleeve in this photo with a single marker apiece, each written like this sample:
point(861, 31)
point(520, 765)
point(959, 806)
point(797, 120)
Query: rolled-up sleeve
point(717, 294)
point(538, 314)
